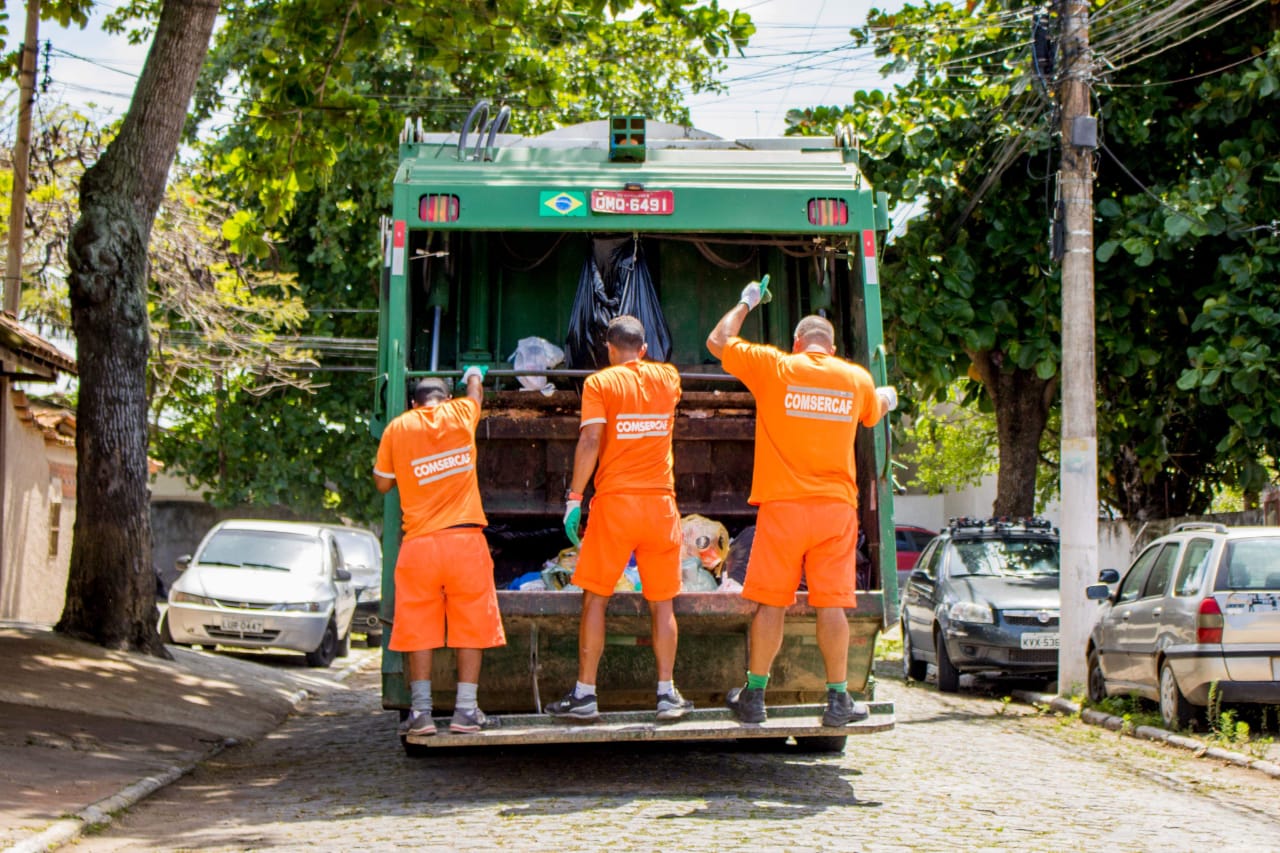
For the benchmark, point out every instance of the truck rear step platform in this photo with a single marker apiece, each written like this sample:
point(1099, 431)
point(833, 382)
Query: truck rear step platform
point(613, 726)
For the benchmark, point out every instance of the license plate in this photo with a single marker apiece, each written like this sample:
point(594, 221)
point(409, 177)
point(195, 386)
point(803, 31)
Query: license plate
point(241, 625)
point(1038, 641)
point(636, 202)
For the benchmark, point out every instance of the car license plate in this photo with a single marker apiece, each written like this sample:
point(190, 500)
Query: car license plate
point(241, 625)
point(1038, 641)
point(638, 202)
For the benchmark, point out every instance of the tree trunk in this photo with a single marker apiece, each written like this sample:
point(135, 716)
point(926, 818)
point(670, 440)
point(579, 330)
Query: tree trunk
point(1022, 402)
point(111, 586)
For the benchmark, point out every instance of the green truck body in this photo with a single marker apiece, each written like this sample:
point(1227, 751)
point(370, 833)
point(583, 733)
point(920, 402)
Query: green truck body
point(485, 247)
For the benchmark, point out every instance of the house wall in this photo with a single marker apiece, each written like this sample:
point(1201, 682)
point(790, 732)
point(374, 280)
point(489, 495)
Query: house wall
point(178, 523)
point(934, 511)
point(38, 474)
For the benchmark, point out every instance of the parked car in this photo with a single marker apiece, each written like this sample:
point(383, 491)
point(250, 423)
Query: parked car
point(264, 585)
point(983, 598)
point(909, 542)
point(362, 555)
point(1197, 611)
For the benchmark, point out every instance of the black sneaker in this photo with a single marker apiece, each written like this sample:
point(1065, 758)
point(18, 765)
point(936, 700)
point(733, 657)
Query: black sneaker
point(467, 722)
point(673, 706)
point(573, 708)
point(842, 710)
point(747, 704)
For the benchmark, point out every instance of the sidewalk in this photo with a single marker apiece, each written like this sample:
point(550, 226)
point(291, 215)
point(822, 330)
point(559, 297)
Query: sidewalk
point(85, 731)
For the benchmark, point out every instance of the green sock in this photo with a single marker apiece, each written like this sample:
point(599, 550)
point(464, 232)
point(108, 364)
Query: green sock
point(756, 682)
point(839, 686)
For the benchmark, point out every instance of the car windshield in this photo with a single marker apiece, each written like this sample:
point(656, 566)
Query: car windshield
point(1251, 564)
point(1004, 557)
point(263, 549)
point(357, 549)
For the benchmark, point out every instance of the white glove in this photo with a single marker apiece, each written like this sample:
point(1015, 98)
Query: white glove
point(756, 293)
point(473, 370)
point(889, 396)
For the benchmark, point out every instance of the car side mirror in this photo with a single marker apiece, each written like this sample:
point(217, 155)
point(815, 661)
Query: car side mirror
point(1108, 576)
point(182, 562)
point(342, 575)
point(1097, 592)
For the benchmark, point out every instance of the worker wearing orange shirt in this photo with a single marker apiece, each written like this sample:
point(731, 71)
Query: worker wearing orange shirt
point(445, 593)
point(628, 412)
point(809, 403)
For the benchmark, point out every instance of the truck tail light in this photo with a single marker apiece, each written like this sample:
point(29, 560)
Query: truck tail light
point(828, 211)
point(1209, 622)
point(438, 208)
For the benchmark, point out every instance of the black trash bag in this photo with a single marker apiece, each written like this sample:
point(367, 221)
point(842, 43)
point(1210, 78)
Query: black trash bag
point(623, 287)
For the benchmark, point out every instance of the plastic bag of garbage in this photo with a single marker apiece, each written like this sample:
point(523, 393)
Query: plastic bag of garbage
point(622, 286)
point(640, 300)
point(694, 578)
point(536, 354)
point(707, 540)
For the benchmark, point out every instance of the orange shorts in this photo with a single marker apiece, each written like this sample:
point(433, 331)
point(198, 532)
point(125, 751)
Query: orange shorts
point(647, 524)
point(445, 594)
point(816, 536)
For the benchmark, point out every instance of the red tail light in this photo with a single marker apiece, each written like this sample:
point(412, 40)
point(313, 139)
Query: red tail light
point(438, 208)
point(1209, 622)
point(828, 211)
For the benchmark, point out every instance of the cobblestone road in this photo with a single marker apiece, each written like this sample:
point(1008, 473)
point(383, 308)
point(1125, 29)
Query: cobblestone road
point(958, 772)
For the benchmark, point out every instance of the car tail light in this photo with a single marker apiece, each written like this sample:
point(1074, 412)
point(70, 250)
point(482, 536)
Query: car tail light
point(1209, 622)
point(828, 211)
point(438, 208)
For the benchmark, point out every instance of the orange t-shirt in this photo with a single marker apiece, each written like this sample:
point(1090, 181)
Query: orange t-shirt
point(808, 407)
point(636, 402)
point(430, 452)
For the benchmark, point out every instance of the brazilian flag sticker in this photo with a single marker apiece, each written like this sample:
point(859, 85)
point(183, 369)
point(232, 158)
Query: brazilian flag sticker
point(562, 203)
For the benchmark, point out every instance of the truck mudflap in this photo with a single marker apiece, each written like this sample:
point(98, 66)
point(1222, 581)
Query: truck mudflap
point(798, 721)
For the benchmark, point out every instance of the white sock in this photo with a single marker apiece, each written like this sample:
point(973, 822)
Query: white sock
point(421, 693)
point(665, 687)
point(581, 690)
point(466, 700)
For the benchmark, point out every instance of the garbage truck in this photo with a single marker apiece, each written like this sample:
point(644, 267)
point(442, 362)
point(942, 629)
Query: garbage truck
point(498, 241)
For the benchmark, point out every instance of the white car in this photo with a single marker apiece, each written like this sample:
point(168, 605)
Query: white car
point(264, 585)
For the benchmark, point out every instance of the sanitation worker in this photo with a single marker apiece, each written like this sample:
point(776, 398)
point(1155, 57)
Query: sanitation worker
point(809, 403)
point(445, 595)
point(628, 411)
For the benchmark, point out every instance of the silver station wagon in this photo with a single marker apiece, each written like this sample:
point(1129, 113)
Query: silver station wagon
point(1197, 612)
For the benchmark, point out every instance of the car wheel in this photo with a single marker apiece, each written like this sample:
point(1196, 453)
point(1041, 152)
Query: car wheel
point(948, 675)
point(344, 647)
point(821, 743)
point(1175, 710)
point(328, 648)
point(1097, 682)
point(912, 669)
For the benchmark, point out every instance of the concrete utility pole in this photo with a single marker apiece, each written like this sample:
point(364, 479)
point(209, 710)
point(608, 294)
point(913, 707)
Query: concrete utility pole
point(1079, 371)
point(21, 161)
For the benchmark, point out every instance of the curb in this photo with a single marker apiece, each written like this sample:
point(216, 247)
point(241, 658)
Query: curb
point(1116, 724)
point(103, 812)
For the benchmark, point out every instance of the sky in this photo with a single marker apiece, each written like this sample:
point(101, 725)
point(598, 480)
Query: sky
point(801, 56)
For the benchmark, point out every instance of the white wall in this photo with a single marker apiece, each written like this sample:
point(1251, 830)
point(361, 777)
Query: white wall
point(934, 511)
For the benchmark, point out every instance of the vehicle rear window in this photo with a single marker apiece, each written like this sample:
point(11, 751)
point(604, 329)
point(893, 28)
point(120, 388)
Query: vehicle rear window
point(1194, 562)
point(1250, 564)
point(1008, 557)
point(264, 549)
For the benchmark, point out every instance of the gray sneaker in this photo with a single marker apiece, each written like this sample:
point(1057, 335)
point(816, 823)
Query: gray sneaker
point(842, 710)
point(573, 708)
point(747, 704)
point(673, 706)
point(467, 722)
point(418, 724)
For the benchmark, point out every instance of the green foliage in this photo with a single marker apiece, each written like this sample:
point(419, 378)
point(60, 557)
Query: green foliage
point(950, 446)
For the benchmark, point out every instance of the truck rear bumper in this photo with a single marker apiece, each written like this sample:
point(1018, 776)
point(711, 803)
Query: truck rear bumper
point(700, 724)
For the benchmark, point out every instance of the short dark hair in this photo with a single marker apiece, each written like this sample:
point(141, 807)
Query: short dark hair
point(815, 329)
point(428, 389)
point(626, 333)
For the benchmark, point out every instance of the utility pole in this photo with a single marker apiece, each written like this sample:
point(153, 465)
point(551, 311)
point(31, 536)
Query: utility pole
point(21, 160)
point(1079, 369)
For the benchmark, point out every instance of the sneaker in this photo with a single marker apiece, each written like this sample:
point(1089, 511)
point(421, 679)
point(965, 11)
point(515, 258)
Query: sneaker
point(418, 723)
point(747, 704)
point(673, 706)
point(467, 722)
point(573, 708)
point(842, 710)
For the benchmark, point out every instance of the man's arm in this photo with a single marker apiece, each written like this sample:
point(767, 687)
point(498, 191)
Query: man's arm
point(475, 389)
point(383, 484)
point(585, 456)
point(729, 326)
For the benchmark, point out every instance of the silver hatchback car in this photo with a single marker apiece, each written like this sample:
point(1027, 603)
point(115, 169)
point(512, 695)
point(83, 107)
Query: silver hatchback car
point(1198, 611)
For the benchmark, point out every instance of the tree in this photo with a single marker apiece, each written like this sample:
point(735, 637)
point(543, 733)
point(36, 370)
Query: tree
point(111, 584)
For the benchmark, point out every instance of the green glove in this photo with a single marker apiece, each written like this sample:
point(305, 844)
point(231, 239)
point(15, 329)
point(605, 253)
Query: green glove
point(572, 520)
point(756, 293)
